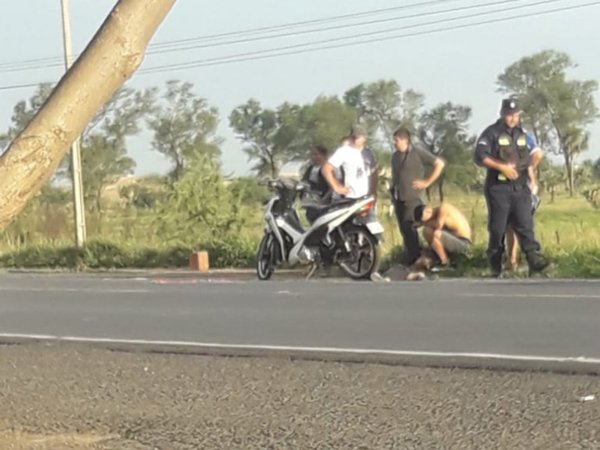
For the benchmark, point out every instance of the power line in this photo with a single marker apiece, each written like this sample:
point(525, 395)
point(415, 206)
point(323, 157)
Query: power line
point(252, 30)
point(332, 27)
point(301, 48)
point(285, 51)
point(19, 86)
point(310, 22)
point(289, 34)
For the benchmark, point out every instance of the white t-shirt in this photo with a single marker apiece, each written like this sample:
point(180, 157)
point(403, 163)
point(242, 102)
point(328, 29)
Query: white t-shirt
point(355, 169)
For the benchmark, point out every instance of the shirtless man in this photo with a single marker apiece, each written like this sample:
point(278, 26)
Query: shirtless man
point(446, 230)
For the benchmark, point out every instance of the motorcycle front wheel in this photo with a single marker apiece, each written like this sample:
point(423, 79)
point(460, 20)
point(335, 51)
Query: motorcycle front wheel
point(265, 258)
point(361, 256)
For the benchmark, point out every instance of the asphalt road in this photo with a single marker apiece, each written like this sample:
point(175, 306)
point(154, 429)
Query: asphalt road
point(528, 321)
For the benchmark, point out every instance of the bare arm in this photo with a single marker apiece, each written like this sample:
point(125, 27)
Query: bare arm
point(536, 158)
point(438, 167)
point(328, 172)
point(531, 175)
point(441, 217)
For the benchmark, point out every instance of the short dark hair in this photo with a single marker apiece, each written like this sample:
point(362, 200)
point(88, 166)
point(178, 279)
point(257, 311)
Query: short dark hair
point(321, 150)
point(419, 213)
point(402, 133)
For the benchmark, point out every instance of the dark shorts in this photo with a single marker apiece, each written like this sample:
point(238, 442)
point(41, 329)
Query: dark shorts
point(454, 244)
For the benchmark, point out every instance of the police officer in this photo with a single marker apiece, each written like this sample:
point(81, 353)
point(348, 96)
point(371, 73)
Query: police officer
point(502, 149)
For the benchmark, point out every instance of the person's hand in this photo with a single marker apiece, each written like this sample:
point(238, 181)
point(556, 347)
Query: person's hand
point(509, 171)
point(420, 185)
point(533, 187)
point(343, 190)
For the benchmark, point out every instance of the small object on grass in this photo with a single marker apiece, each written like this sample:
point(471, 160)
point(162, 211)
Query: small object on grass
point(199, 262)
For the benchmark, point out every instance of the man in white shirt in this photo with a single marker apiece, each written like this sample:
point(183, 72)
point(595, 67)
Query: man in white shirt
point(355, 171)
point(348, 160)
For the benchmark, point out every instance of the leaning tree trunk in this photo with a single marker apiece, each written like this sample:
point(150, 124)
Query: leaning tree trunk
point(113, 55)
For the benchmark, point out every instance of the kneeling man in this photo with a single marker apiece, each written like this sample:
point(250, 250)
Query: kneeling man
point(446, 230)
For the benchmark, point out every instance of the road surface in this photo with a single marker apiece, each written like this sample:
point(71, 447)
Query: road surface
point(533, 323)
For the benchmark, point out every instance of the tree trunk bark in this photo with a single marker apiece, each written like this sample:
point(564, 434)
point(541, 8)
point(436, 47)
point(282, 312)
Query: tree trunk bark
point(569, 169)
point(113, 55)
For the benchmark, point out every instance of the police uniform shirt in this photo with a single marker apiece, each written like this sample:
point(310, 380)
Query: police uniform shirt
point(510, 146)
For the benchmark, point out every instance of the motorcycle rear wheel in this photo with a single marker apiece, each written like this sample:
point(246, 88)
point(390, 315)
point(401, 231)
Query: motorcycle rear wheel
point(363, 258)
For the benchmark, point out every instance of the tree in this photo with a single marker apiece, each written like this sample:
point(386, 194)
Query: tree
point(575, 142)
point(558, 109)
point(444, 131)
point(325, 122)
point(184, 127)
point(103, 147)
point(552, 177)
point(24, 111)
point(261, 130)
point(200, 206)
point(104, 156)
point(248, 190)
point(117, 48)
point(383, 106)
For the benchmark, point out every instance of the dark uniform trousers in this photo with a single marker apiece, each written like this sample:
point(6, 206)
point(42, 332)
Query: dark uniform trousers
point(509, 203)
point(405, 216)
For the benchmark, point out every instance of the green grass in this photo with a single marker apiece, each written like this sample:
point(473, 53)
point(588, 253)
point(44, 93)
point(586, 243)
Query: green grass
point(566, 228)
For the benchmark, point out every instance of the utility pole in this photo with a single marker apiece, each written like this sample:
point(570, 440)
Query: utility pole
point(78, 205)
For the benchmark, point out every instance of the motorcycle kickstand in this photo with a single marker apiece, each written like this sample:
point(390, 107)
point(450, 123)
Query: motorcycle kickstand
point(312, 270)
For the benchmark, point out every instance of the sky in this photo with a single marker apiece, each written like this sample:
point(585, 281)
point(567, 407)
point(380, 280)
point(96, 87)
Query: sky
point(458, 64)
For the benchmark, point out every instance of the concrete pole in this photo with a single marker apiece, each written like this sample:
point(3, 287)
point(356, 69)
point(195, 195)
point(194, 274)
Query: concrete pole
point(76, 177)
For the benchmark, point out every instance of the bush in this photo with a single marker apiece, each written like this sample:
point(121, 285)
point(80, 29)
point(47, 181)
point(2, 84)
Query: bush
point(110, 255)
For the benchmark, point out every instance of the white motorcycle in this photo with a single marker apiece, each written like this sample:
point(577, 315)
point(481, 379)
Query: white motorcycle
point(345, 233)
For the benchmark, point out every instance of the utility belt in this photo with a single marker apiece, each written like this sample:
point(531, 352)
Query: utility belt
point(497, 178)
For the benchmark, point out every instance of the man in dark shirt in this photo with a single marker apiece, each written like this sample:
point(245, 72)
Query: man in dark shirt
point(313, 176)
point(319, 190)
point(408, 184)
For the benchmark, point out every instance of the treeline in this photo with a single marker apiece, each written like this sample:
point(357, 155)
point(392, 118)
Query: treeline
point(193, 199)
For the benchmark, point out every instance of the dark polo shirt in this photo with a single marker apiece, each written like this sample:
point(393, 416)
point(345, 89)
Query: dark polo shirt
point(408, 167)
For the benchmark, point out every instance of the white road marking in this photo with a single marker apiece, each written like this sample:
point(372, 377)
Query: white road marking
point(89, 290)
point(296, 349)
point(513, 295)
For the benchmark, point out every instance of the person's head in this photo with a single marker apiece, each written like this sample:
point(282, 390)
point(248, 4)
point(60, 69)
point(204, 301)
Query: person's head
point(358, 136)
point(318, 155)
point(401, 139)
point(423, 214)
point(510, 112)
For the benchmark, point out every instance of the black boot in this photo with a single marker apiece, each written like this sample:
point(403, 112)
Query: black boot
point(537, 263)
point(496, 267)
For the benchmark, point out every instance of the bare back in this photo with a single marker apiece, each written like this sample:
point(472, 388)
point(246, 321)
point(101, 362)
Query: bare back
point(456, 222)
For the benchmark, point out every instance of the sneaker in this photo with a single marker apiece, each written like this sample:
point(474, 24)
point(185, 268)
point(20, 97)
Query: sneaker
point(376, 277)
point(440, 268)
